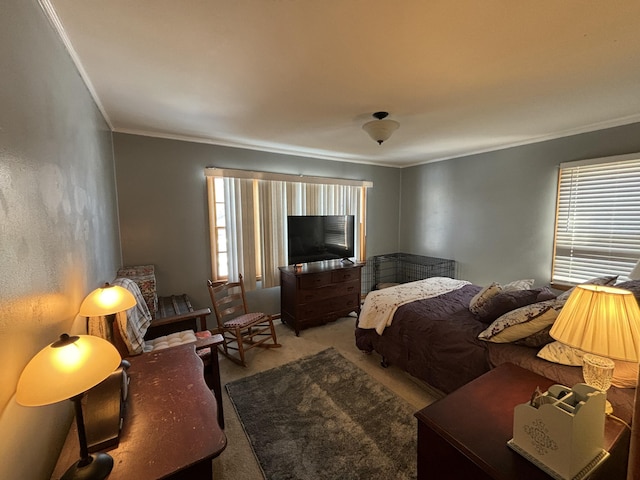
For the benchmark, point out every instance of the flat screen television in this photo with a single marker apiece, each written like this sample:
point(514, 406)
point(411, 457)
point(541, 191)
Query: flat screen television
point(313, 238)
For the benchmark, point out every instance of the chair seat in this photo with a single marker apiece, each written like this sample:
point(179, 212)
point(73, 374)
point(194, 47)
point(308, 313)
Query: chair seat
point(240, 328)
point(204, 353)
point(166, 341)
point(244, 320)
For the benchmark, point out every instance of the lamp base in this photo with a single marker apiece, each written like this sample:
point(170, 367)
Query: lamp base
point(98, 469)
point(598, 372)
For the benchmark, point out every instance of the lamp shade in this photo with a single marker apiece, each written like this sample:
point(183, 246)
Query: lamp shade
point(380, 130)
point(106, 300)
point(66, 368)
point(600, 320)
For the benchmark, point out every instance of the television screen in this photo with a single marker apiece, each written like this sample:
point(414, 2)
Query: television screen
point(314, 238)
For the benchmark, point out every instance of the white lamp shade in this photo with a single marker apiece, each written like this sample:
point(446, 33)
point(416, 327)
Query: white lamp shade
point(65, 369)
point(380, 130)
point(600, 320)
point(106, 300)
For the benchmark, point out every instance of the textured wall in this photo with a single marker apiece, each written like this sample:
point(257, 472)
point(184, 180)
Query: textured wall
point(494, 213)
point(163, 205)
point(58, 220)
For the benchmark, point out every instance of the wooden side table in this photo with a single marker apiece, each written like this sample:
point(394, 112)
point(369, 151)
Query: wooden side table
point(170, 427)
point(465, 434)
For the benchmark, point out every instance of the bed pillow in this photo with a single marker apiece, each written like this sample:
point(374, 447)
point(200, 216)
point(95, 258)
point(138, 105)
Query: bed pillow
point(558, 352)
point(506, 301)
point(490, 291)
point(522, 322)
point(605, 280)
point(633, 286)
point(483, 296)
point(525, 284)
point(625, 374)
point(538, 339)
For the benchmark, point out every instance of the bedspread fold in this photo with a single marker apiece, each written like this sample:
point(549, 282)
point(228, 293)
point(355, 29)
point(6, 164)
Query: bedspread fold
point(380, 305)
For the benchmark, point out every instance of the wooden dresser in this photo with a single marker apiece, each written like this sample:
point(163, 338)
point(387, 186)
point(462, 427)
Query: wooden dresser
point(319, 292)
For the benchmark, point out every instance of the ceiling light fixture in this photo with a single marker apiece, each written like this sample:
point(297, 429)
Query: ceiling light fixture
point(380, 130)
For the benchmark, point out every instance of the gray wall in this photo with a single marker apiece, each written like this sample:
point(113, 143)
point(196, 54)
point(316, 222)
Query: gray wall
point(58, 220)
point(494, 213)
point(163, 206)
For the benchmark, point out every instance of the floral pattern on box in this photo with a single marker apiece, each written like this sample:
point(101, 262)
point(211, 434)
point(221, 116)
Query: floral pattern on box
point(145, 277)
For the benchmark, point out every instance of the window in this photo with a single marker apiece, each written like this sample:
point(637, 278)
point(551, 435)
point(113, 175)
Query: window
point(598, 219)
point(248, 215)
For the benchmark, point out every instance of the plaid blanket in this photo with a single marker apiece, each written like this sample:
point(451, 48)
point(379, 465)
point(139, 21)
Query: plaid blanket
point(133, 323)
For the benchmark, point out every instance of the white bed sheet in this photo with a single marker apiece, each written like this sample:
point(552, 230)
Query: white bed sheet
point(380, 305)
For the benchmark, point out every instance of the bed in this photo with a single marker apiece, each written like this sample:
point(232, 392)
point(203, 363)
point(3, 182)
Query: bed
point(434, 336)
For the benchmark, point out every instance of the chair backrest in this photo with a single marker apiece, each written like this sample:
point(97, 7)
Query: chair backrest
point(228, 299)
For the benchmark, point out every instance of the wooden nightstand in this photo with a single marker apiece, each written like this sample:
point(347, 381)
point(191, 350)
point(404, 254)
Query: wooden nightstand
point(465, 434)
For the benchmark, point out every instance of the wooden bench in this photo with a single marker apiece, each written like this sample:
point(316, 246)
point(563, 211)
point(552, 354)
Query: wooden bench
point(175, 312)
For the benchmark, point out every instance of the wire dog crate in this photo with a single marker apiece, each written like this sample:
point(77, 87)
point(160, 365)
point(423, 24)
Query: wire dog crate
point(396, 268)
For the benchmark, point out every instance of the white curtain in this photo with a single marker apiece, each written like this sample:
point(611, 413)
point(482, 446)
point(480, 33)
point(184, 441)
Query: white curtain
point(241, 234)
point(273, 223)
point(256, 221)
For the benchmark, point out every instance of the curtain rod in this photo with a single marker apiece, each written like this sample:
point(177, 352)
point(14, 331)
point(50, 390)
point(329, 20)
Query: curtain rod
point(283, 177)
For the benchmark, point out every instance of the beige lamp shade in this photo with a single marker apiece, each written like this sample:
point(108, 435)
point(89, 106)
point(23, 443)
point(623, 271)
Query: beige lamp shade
point(381, 129)
point(106, 300)
point(66, 368)
point(600, 320)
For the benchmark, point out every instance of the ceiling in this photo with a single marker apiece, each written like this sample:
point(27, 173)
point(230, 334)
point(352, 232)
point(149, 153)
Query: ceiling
point(301, 77)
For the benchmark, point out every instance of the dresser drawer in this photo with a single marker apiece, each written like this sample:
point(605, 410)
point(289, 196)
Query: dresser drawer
point(345, 275)
point(328, 291)
point(314, 280)
point(343, 304)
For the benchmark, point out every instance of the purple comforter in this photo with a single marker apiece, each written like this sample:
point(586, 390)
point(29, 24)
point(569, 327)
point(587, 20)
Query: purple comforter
point(434, 339)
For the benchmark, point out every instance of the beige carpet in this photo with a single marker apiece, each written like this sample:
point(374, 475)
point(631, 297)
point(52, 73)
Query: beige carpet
point(237, 460)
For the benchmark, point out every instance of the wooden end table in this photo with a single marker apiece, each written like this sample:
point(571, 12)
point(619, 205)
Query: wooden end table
point(464, 435)
point(170, 427)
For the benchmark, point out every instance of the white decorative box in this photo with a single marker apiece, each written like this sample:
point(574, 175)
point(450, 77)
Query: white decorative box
point(562, 430)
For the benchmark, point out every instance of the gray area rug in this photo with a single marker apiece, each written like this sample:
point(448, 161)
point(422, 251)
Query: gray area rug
point(323, 418)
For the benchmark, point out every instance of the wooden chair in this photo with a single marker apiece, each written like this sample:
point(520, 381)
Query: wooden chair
point(241, 329)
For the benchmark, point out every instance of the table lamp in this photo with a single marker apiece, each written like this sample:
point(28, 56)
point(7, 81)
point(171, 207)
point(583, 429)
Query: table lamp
point(106, 300)
point(603, 322)
point(66, 369)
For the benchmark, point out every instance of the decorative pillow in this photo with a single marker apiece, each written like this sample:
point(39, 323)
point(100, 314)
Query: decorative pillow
point(522, 322)
point(518, 285)
point(538, 339)
point(561, 353)
point(478, 301)
point(506, 301)
point(633, 286)
point(605, 280)
point(625, 374)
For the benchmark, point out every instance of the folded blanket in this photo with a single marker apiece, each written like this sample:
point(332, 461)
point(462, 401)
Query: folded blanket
point(380, 305)
point(133, 323)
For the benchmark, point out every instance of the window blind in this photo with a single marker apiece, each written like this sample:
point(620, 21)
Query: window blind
point(598, 219)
